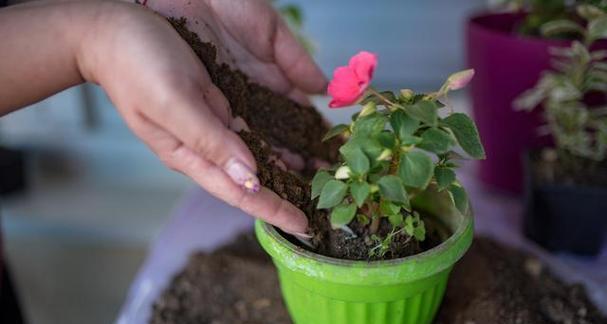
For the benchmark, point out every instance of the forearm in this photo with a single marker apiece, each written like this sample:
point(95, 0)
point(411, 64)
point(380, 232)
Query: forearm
point(40, 45)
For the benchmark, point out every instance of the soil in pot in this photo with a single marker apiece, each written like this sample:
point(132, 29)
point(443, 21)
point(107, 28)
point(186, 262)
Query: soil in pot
point(275, 120)
point(237, 284)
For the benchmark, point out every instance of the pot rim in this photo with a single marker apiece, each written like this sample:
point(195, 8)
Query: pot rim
point(476, 21)
point(406, 269)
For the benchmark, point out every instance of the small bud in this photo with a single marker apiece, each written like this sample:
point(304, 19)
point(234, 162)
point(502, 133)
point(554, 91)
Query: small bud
point(343, 172)
point(407, 94)
point(373, 188)
point(459, 80)
point(368, 109)
point(386, 155)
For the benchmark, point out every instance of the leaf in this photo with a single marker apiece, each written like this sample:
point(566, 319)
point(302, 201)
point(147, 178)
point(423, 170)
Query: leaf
point(356, 159)
point(386, 139)
point(424, 111)
point(460, 198)
point(332, 194)
point(375, 99)
point(435, 140)
point(370, 146)
point(369, 125)
point(360, 191)
point(396, 219)
point(466, 134)
point(560, 27)
point(444, 177)
point(410, 140)
point(589, 12)
point(597, 28)
point(362, 219)
point(336, 130)
point(416, 169)
point(419, 232)
point(319, 181)
point(402, 124)
point(391, 188)
point(342, 215)
point(387, 208)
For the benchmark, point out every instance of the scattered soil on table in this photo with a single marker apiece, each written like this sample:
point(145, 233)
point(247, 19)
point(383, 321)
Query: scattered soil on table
point(566, 169)
point(278, 121)
point(492, 284)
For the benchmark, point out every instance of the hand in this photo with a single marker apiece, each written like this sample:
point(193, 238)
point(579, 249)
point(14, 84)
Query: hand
point(166, 96)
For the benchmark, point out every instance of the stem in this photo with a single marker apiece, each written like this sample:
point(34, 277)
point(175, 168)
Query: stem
point(374, 224)
point(380, 96)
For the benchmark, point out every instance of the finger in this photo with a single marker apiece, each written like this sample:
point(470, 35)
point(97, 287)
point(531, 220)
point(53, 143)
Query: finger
point(264, 204)
point(258, 27)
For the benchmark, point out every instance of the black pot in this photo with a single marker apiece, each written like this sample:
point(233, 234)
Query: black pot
point(12, 171)
point(568, 218)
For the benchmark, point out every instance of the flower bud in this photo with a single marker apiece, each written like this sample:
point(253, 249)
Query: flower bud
point(373, 188)
point(386, 155)
point(407, 94)
point(368, 109)
point(343, 172)
point(459, 80)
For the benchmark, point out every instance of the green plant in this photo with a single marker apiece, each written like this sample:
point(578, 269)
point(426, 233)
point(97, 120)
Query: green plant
point(544, 15)
point(397, 146)
point(579, 129)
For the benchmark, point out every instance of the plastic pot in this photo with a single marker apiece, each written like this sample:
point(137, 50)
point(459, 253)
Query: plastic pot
point(567, 218)
point(324, 290)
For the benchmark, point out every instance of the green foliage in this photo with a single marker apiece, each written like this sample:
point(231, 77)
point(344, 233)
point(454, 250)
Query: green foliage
point(578, 128)
point(336, 130)
point(395, 147)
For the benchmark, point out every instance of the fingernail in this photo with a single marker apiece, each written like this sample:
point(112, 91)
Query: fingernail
point(299, 234)
point(242, 175)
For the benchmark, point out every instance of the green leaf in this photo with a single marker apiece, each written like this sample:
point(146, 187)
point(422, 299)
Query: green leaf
point(444, 177)
point(419, 232)
point(369, 125)
point(319, 181)
point(391, 188)
point(435, 140)
point(410, 140)
point(597, 28)
point(360, 191)
point(336, 130)
point(424, 111)
point(560, 27)
point(342, 215)
point(332, 194)
point(466, 134)
point(460, 198)
point(370, 146)
point(356, 159)
point(416, 169)
point(396, 219)
point(402, 124)
point(388, 208)
point(374, 98)
point(386, 139)
point(589, 12)
point(362, 219)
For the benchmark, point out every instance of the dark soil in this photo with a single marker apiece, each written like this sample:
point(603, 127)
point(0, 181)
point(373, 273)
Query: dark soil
point(566, 169)
point(276, 120)
point(492, 284)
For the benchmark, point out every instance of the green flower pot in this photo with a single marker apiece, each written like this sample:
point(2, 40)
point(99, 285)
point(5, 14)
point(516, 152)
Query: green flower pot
point(323, 290)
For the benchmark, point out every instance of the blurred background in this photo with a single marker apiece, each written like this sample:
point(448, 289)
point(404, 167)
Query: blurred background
point(96, 196)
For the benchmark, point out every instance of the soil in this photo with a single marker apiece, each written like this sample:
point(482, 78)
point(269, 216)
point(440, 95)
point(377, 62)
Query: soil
point(276, 121)
point(565, 169)
point(492, 284)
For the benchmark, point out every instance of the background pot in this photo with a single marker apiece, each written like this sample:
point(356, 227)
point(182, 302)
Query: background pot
point(506, 64)
point(566, 218)
point(319, 289)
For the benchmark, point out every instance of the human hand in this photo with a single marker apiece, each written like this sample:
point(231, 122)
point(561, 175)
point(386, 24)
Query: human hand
point(167, 98)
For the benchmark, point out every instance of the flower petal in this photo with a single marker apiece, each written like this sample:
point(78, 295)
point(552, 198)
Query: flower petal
point(344, 88)
point(363, 64)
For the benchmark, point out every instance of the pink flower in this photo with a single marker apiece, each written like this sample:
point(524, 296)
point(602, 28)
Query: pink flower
point(350, 82)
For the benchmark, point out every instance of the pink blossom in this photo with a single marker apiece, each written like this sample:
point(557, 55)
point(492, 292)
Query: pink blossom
point(350, 82)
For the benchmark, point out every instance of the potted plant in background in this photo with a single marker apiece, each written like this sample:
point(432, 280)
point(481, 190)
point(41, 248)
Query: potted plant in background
point(509, 51)
point(567, 183)
point(391, 218)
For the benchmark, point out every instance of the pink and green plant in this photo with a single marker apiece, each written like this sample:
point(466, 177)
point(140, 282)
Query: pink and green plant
point(397, 146)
